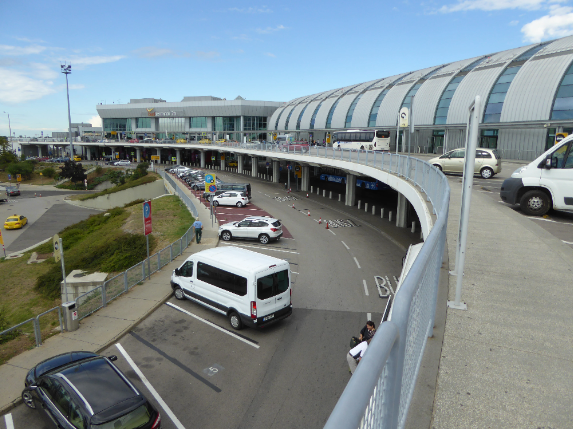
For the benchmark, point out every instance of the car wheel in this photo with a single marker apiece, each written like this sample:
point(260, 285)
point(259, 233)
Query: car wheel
point(28, 399)
point(178, 292)
point(486, 173)
point(239, 204)
point(264, 238)
point(235, 320)
point(534, 203)
point(226, 235)
point(215, 203)
point(438, 166)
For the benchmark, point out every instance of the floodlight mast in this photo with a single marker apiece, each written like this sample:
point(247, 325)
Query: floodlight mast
point(67, 69)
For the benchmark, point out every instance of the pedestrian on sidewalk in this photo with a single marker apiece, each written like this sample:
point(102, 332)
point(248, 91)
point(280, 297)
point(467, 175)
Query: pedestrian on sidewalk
point(198, 229)
point(356, 354)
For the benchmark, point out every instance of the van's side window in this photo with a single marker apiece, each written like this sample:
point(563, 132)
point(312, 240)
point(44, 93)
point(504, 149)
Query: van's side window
point(569, 160)
point(558, 157)
point(273, 284)
point(187, 269)
point(222, 279)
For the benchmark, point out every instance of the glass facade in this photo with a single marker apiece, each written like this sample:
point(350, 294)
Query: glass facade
point(227, 123)
point(444, 103)
point(331, 113)
point(300, 117)
point(314, 115)
point(198, 122)
point(288, 117)
point(351, 111)
point(172, 124)
point(408, 99)
point(375, 107)
point(278, 118)
point(254, 123)
point(488, 139)
point(121, 124)
point(143, 122)
point(563, 106)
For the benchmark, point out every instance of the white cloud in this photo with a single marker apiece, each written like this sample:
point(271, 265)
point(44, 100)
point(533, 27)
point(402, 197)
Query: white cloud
point(558, 23)
point(489, 5)
point(514, 23)
point(44, 71)
point(95, 121)
point(19, 50)
point(154, 52)
point(243, 37)
point(262, 9)
point(269, 30)
point(16, 87)
point(81, 62)
point(268, 54)
point(208, 56)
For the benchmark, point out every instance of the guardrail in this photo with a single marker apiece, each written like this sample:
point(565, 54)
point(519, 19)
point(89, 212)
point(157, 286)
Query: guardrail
point(179, 192)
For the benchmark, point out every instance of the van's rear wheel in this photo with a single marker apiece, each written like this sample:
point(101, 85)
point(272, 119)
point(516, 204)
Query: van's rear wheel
point(178, 292)
point(534, 203)
point(264, 238)
point(235, 320)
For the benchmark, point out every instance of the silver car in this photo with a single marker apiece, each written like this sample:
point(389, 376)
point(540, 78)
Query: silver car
point(261, 228)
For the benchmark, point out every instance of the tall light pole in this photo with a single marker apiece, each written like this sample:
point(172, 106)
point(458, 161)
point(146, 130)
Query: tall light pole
point(10, 131)
point(67, 69)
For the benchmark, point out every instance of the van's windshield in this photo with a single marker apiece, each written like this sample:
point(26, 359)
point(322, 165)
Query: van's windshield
point(272, 285)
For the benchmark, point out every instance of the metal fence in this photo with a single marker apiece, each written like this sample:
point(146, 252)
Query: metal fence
point(184, 197)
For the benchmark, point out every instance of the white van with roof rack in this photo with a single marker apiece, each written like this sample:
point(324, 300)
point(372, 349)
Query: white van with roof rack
point(247, 287)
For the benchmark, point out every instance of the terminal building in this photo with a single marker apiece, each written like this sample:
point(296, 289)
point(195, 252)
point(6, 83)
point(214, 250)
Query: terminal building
point(192, 119)
point(526, 98)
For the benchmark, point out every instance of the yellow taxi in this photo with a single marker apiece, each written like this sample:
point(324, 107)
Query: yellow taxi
point(15, 222)
point(205, 141)
point(233, 163)
point(77, 158)
point(221, 141)
point(180, 141)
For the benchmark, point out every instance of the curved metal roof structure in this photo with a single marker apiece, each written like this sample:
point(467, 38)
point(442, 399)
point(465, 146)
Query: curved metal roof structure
point(518, 87)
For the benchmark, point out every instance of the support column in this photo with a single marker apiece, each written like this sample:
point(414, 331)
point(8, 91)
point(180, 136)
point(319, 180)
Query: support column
point(350, 189)
point(158, 149)
point(254, 166)
point(39, 151)
point(401, 211)
point(178, 153)
point(240, 163)
point(276, 172)
point(138, 154)
point(223, 156)
point(202, 159)
point(305, 178)
point(89, 153)
point(112, 153)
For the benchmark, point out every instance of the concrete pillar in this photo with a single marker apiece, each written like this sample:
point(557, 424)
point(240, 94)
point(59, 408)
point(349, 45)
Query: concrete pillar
point(254, 166)
point(178, 154)
point(350, 190)
point(401, 211)
point(276, 172)
point(89, 154)
point(223, 163)
point(202, 159)
point(158, 149)
point(112, 152)
point(240, 163)
point(39, 151)
point(305, 178)
point(138, 154)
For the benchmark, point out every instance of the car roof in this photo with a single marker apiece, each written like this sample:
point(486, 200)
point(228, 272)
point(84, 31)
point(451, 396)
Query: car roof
point(60, 360)
point(99, 383)
point(238, 258)
point(270, 219)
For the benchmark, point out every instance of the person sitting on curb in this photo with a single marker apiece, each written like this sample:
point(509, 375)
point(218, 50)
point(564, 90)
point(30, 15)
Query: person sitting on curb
point(198, 229)
point(356, 354)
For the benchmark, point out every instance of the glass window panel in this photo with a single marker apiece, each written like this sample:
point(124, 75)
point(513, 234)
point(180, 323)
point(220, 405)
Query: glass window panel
point(497, 98)
point(440, 120)
point(505, 79)
point(493, 108)
point(492, 118)
point(500, 87)
point(563, 104)
point(562, 114)
point(565, 91)
point(512, 70)
point(567, 80)
point(445, 102)
point(448, 94)
point(442, 112)
point(452, 86)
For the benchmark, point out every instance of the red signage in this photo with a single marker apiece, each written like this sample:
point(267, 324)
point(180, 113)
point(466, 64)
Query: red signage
point(147, 217)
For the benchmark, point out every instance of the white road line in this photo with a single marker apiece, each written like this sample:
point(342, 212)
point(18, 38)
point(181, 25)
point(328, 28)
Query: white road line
point(294, 272)
point(213, 325)
point(567, 242)
point(9, 422)
point(356, 260)
point(150, 387)
point(365, 288)
point(548, 220)
point(331, 231)
point(345, 245)
point(260, 247)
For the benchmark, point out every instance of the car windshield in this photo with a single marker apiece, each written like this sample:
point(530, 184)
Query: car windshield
point(12, 219)
point(132, 420)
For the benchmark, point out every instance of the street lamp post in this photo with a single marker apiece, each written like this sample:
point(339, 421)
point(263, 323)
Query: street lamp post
point(67, 69)
point(10, 132)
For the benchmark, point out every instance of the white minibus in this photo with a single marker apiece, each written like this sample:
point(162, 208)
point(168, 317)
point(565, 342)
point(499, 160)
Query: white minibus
point(250, 288)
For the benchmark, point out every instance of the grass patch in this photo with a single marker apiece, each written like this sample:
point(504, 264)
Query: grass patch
point(151, 177)
point(100, 243)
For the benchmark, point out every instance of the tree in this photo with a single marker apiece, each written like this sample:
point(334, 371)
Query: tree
point(74, 171)
point(23, 168)
point(4, 144)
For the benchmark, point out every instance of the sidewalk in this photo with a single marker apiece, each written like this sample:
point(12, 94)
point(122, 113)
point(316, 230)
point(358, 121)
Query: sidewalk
point(106, 325)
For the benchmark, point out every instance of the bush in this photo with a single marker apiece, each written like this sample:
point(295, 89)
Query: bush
point(49, 172)
point(99, 170)
point(25, 168)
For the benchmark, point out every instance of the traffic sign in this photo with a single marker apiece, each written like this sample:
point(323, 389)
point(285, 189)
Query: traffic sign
point(19, 177)
point(268, 164)
point(155, 157)
point(212, 157)
point(560, 136)
point(147, 217)
point(210, 182)
point(9, 177)
point(174, 158)
point(289, 167)
point(56, 243)
point(404, 117)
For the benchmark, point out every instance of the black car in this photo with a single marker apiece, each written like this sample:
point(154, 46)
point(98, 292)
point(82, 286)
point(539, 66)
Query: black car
point(87, 391)
point(12, 190)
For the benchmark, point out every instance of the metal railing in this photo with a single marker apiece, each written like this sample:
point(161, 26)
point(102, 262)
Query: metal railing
point(184, 197)
point(99, 297)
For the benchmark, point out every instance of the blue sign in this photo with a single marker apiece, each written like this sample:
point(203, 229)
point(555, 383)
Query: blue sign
point(268, 164)
point(9, 177)
point(209, 178)
point(146, 210)
point(280, 168)
point(290, 167)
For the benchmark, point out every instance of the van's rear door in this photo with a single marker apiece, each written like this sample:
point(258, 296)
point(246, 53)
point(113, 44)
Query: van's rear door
point(273, 292)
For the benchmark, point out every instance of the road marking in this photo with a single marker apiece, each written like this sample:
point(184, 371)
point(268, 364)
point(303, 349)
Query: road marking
point(356, 260)
point(150, 387)
point(549, 220)
point(567, 242)
point(9, 422)
point(365, 286)
point(238, 337)
point(345, 245)
point(331, 231)
point(260, 247)
point(294, 272)
point(368, 316)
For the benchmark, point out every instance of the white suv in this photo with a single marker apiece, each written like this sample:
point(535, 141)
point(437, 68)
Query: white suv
point(231, 198)
point(260, 228)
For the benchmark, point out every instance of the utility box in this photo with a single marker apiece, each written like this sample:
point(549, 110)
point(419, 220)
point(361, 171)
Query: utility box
point(71, 318)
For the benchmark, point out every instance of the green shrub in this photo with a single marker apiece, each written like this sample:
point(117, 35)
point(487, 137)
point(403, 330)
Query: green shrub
point(49, 172)
point(25, 168)
point(99, 170)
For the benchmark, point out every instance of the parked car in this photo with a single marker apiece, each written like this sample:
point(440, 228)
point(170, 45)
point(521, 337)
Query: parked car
point(85, 390)
point(15, 222)
point(122, 162)
point(233, 163)
point(231, 198)
point(12, 191)
point(205, 141)
point(148, 140)
point(134, 141)
point(181, 141)
point(200, 184)
point(260, 228)
point(77, 158)
point(224, 186)
point(488, 162)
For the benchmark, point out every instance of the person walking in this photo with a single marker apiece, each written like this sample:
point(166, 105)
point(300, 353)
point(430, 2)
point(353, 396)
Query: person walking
point(198, 229)
point(356, 354)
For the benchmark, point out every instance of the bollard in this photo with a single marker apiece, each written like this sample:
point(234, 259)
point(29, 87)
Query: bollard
point(390, 216)
point(317, 191)
point(324, 192)
point(339, 197)
point(359, 203)
point(311, 189)
point(366, 207)
point(413, 226)
point(373, 210)
point(382, 213)
point(330, 196)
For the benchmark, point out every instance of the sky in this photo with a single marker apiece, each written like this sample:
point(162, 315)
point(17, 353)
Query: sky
point(272, 51)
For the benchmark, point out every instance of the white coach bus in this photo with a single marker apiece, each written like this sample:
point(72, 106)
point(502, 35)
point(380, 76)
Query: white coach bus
point(362, 140)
